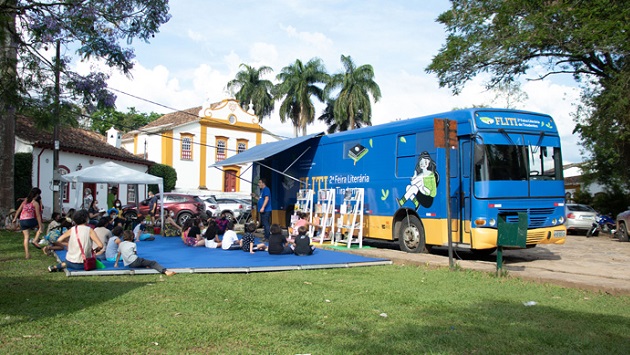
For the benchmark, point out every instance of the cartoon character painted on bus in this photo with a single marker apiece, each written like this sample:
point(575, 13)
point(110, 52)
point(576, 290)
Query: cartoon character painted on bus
point(423, 186)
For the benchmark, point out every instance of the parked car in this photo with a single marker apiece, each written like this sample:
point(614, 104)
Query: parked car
point(623, 223)
point(579, 218)
point(232, 208)
point(183, 206)
point(212, 206)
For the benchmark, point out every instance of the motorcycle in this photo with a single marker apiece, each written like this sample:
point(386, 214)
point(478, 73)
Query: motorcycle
point(606, 224)
point(593, 231)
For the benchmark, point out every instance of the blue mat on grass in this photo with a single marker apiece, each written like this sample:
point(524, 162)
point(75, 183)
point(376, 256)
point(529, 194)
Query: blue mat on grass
point(174, 255)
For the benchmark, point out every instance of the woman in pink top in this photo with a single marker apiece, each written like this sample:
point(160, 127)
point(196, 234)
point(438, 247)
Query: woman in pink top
point(30, 216)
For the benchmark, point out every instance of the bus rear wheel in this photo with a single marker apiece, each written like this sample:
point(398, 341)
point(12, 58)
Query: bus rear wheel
point(411, 235)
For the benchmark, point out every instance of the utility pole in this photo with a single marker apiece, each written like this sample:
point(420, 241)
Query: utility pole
point(56, 111)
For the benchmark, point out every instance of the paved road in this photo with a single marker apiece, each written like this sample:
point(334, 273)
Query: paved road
point(599, 263)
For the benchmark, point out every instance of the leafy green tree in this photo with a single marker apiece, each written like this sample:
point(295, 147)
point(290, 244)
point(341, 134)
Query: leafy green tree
point(328, 117)
point(28, 81)
point(103, 120)
point(297, 83)
point(505, 39)
point(167, 173)
point(356, 85)
point(253, 89)
point(509, 94)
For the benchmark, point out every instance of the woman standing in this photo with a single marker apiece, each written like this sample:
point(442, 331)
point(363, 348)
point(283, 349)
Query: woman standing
point(80, 239)
point(30, 216)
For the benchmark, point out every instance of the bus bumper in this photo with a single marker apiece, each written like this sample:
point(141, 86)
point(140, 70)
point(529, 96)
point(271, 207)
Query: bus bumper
point(486, 238)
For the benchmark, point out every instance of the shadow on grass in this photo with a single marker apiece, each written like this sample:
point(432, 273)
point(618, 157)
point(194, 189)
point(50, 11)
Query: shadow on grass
point(29, 298)
point(486, 327)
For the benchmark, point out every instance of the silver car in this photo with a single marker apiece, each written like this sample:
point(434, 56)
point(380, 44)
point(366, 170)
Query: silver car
point(580, 218)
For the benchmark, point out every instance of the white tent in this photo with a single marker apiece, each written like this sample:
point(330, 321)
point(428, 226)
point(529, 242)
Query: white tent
point(113, 173)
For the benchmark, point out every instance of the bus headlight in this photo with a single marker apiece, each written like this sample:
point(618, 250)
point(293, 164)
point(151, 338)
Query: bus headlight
point(493, 222)
point(561, 219)
point(554, 221)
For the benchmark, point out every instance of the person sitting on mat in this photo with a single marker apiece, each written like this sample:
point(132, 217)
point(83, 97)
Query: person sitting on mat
point(278, 244)
point(127, 250)
point(211, 235)
point(248, 242)
point(192, 233)
point(81, 235)
point(222, 223)
point(104, 234)
point(303, 243)
point(139, 231)
point(230, 239)
point(53, 237)
point(112, 244)
point(171, 228)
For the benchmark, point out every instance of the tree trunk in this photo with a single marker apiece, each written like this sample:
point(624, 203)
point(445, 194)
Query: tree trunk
point(8, 100)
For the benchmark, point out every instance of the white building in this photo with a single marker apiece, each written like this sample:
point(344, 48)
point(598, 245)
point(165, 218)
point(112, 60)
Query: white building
point(78, 149)
point(193, 139)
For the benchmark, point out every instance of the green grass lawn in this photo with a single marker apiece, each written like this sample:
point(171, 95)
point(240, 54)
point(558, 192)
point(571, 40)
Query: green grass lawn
point(369, 310)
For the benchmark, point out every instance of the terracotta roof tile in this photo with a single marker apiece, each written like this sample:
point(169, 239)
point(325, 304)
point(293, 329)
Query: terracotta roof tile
point(75, 140)
point(171, 120)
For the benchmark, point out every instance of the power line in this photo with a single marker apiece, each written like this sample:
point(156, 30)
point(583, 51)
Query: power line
point(171, 108)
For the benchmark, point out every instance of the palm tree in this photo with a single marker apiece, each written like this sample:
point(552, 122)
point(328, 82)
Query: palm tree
point(353, 101)
point(297, 83)
point(328, 117)
point(253, 89)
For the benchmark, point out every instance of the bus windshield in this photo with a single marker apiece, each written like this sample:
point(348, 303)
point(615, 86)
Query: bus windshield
point(516, 163)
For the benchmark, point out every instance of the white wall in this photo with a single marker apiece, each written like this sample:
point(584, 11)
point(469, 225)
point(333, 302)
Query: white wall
point(43, 178)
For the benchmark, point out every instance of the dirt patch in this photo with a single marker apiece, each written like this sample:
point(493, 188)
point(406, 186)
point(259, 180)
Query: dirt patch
point(597, 263)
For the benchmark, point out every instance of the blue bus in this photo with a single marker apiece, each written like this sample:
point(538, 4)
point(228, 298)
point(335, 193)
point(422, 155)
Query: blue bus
point(501, 163)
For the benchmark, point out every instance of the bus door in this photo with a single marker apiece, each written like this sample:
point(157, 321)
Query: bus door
point(455, 195)
point(464, 192)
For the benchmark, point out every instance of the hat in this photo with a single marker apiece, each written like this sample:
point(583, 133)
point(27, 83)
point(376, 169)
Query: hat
point(112, 210)
point(12, 210)
point(102, 210)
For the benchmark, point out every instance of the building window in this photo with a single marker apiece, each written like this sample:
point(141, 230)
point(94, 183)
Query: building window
point(186, 147)
point(221, 149)
point(65, 186)
point(131, 193)
point(241, 145)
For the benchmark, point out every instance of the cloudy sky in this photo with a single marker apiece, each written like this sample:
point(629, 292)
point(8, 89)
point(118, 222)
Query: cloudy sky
point(199, 50)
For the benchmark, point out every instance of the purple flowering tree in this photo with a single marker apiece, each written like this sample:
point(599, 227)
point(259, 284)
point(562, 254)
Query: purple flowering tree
point(30, 33)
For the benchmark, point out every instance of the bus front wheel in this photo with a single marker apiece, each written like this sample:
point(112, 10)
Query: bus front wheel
point(411, 235)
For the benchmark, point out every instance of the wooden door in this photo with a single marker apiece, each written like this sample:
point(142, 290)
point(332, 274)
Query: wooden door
point(229, 182)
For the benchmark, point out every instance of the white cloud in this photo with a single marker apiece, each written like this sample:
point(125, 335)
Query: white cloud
point(316, 39)
point(263, 54)
point(195, 36)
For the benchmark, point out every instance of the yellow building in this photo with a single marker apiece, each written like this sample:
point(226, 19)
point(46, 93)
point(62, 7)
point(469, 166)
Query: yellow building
point(193, 139)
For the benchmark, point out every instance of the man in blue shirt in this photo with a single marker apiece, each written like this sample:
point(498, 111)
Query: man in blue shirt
point(264, 206)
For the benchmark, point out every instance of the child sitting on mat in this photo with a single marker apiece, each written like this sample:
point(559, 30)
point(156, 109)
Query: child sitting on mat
point(127, 250)
point(278, 244)
point(211, 235)
point(230, 239)
point(248, 243)
point(140, 231)
point(112, 244)
point(303, 243)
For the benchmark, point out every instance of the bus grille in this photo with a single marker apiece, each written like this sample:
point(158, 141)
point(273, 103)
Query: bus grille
point(538, 217)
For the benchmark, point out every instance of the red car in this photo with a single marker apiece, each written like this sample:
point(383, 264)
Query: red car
point(183, 206)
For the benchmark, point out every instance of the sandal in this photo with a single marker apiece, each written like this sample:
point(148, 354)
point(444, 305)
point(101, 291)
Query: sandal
point(52, 268)
point(35, 244)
